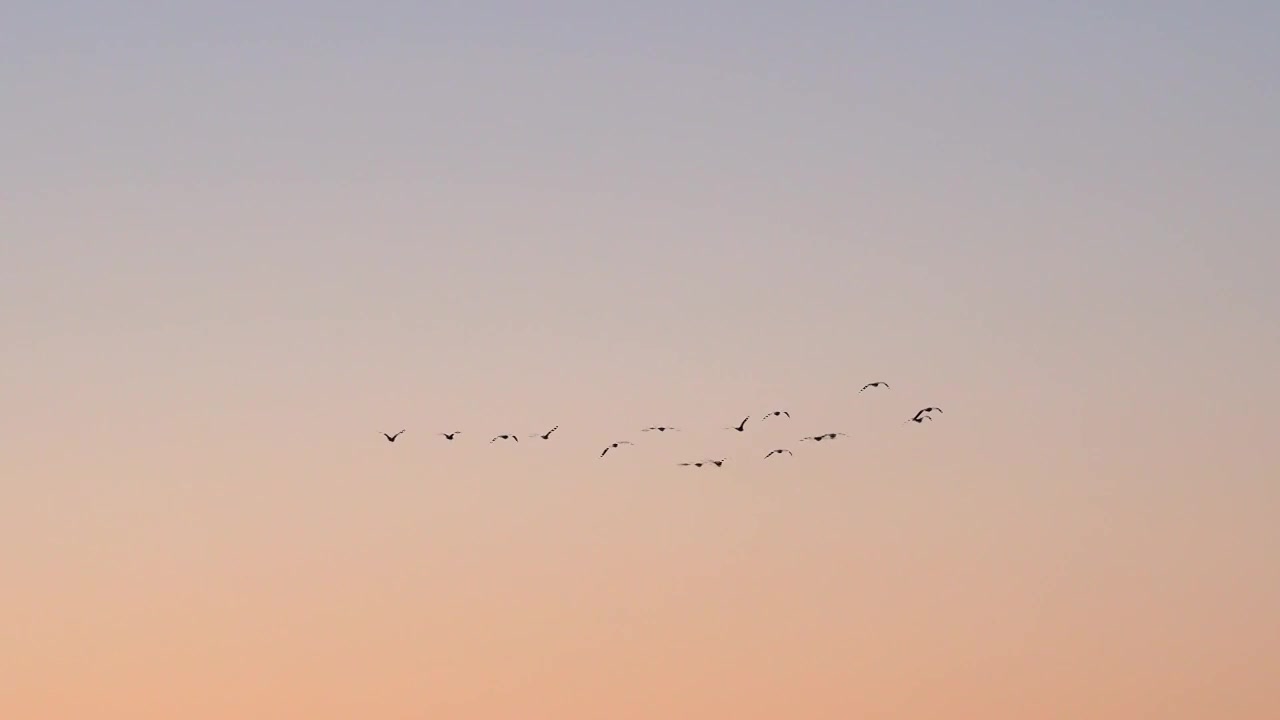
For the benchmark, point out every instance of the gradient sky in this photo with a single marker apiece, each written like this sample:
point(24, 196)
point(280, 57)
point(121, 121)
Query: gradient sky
point(240, 239)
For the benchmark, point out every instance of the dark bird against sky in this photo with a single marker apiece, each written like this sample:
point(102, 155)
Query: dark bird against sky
point(824, 436)
point(875, 384)
point(505, 437)
point(741, 426)
point(392, 438)
point(614, 445)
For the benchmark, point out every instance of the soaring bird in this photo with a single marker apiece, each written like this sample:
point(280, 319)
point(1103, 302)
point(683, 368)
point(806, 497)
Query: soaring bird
point(505, 437)
point(391, 438)
point(779, 450)
point(449, 436)
point(875, 384)
point(614, 445)
point(547, 435)
point(741, 426)
point(661, 428)
point(928, 410)
point(824, 436)
point(776, 413)
point(717, 463)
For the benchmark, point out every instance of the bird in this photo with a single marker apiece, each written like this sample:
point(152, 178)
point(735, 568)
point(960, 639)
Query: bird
point(922, 413)
point(824, 436)
point(741, 426)
point(717, 463)
point(547, 435)
point(920, 418)
point(779, 450)
point(694, 464)
point(506, 437)
point(449, 436)
point(614, 445)
point(661, 428)
point(878, 383)
point(776, 413)
point(391, 438)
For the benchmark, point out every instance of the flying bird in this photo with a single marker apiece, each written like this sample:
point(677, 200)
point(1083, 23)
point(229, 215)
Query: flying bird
point(717, 463)
point(776, 413)
point(391, 438)
point(875, 384)
point(547, 435)
point(922, 413)
point(449, 436)
point(661, 428)
point(741, 426)
point(779, 450)
point(824, 436)
point(920, 418)
point(505, 437)
point(614, 445)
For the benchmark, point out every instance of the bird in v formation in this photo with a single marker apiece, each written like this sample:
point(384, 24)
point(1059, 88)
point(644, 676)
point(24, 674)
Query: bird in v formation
point(918, 418)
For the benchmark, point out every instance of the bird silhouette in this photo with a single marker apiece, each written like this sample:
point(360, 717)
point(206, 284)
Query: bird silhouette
point(920, 418)
point(928, 410)
point(661, 428)
point(547, 435)
point(824, 436)
point(614, 445)
point(779, 450)
point(392, 438)
point(776, 413)
point(505, 437)
point(717, 463)
point(875, 384)
point(449, 436)
point(741, 426)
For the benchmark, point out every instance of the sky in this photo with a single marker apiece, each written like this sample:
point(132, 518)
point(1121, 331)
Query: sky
point(240, 240)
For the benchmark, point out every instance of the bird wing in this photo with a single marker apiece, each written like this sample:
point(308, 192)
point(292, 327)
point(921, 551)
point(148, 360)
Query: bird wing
point(605, 451)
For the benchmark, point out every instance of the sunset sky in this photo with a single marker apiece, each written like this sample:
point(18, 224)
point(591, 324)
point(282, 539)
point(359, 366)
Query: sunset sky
point(239, 240)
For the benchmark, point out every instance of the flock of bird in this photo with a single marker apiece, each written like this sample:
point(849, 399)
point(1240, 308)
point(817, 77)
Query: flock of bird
point(918, 418)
